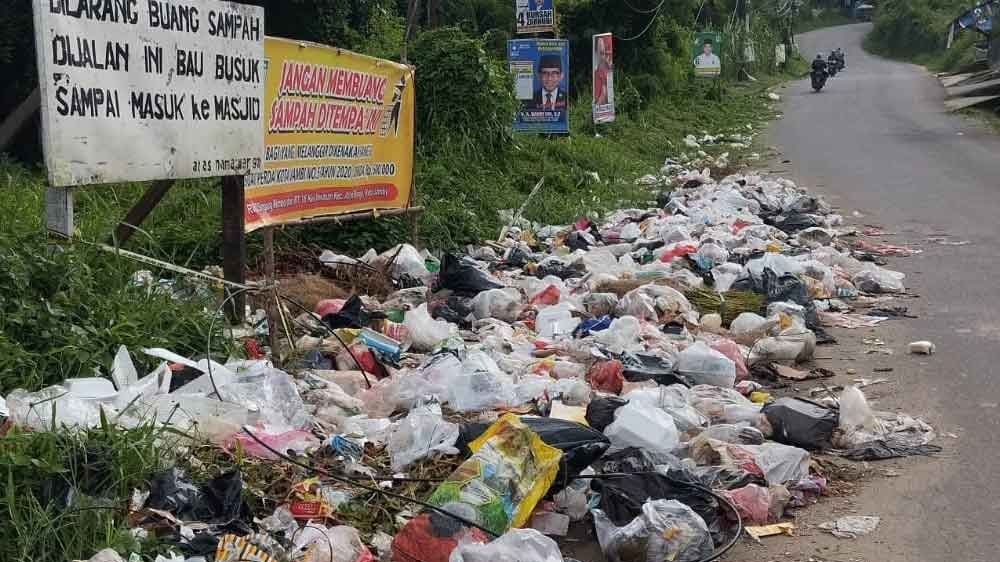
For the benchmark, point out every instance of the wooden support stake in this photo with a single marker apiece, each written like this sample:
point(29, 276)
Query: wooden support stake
point(127, 227)
point(234, 243)
point(16, 121)
point(59, 211)
point(271, 309)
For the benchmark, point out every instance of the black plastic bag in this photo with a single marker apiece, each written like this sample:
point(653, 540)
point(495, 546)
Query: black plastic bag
point(352, 315)
point(880, 450)
point(463, 278)
point(220, 500)
point(601, 411)
point(794, 222)
point(455, 310)
point(801, 423)
point(720, 477)
point(641, 367)
point(622, 497)
point(581, 445)
point(559, 270)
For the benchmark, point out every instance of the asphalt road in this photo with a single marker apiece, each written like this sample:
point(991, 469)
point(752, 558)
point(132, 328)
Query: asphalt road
point(878, 141)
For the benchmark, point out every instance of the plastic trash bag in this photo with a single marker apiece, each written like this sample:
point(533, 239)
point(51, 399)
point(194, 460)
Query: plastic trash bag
point(464, 278)
point(794, 345)
point(674, 401)
point(502, 304)
point(273, 394)
point(730, 349)
point(753, 503)
point(801, 423)
point(581, 446)
point(556, 321)
point(643, 426)
point(498, 487)
point(52, 405)
point(422, 433)
point(623, 497)
point(701, 364)
point(855, 413)
point(295, 441)
point(879, 280)
point(724, 275)
point(219, 500)
point(516, 545)
point(315, 543)
point(780, 463)
point(481, 386)
point(601, 411)
point(600, 304)
point(666, 531)
point(426, 332)
point(607, 376)
point(748, 327)
point(623, 335)
point(641, 367)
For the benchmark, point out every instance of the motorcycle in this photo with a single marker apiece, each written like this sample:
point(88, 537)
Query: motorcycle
point(831, 67)
point(818, 79)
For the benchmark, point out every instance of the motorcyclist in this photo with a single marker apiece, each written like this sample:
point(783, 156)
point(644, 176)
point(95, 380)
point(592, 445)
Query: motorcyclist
point(819, 64)
point(841, 58)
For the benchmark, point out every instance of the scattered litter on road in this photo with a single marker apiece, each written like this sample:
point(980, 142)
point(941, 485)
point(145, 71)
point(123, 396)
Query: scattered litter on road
point(851, 526)
point(760, 532)
point(923, 348)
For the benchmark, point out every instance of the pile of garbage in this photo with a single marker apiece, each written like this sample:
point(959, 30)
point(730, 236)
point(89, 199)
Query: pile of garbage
point(611, 375)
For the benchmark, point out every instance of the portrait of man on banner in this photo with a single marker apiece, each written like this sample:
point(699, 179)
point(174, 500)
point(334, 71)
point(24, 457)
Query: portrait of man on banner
point(541, 83)
point(551, 95)
point(707, 63)
point(604, 88)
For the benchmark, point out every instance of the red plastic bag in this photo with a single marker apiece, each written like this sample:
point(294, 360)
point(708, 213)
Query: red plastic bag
point(607, 376)
point(678, 250)
point(430, 537)
point(549, 296)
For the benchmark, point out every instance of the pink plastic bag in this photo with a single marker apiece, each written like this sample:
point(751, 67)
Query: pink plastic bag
point(731, 350)
point(295, 440)
point(329, 306)
point(753, 502)
point(678, 250)
point(550, 296)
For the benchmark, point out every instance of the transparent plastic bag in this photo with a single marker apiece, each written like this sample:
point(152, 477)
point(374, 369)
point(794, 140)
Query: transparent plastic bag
point(643, 426)
point(482, 385)
point(273, 393)
point(516, 545)
point(673, 400)
point(502, 304)
point(425, 331)
point(600, 304)
point(666, 531)
point(703, 365)
point(623, 335)
point(422, 433)
point(780, 463)
point(51, 405)
point(725, 275)
point(334, 544)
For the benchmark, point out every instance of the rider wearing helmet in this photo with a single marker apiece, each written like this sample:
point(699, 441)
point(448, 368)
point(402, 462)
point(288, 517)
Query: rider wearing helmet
point(819, 64)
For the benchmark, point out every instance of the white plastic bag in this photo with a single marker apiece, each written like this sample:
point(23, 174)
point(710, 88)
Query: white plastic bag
point(672, 400)
point(878, 280)
point(556, 320)
point(725, 275)
point(622, 335)
point(855, 413)
point(334, 544)
point(703, 365)
point(748, 327)
point(643, 426)
point(502, 304)
point(425, 331)
point(780, 463)
point(516, 545)
point(482, 385)
point(422, 433)
point(666, 531)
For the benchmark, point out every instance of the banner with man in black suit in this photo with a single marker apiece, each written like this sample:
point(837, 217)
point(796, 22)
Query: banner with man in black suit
point(541, 72)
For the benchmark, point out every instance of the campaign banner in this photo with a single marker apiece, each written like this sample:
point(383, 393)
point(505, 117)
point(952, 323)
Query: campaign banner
point(604, 78)
point(137, 91)
point(707, 46)
point(541, 83)
point(535, 16)
point(338, 135)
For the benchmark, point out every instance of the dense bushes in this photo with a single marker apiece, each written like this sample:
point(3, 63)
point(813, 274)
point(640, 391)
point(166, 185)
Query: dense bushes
point(465, 100)
point(906, 28)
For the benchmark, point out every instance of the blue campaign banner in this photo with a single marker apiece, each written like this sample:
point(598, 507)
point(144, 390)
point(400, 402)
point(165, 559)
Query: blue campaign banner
point(541, 82)
point(535, 16)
